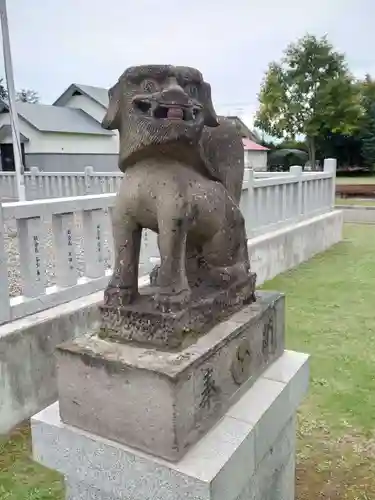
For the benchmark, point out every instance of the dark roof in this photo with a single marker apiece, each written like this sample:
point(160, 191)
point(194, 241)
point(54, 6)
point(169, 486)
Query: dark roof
point(100, 95)
point(97, 94)
point(47, 118)
point(242, 128)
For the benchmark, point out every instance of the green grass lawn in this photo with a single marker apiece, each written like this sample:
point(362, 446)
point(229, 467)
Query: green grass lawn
point(20, 477)
point(330, 314)
point(356, 201)
point(356, 180)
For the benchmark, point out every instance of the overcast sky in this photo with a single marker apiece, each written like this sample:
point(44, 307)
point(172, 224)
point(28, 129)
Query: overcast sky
point(58, 42)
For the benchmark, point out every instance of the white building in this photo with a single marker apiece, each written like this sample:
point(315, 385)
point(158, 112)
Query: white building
point(67, 135)
point(255, 155)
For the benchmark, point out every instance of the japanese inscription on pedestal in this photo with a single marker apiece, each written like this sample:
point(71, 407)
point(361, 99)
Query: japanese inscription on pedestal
point(269, 337)
point(241, 363)
point(209, 388)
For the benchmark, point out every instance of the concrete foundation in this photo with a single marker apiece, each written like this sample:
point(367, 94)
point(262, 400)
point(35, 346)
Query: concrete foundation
point(277, 251)
point(27, 362)
point(248, 455)
point(358, 214)
point(27, 387)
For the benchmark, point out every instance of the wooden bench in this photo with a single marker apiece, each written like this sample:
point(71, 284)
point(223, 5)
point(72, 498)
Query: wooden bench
point(354, 190)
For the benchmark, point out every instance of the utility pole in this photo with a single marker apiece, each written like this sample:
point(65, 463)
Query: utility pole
point(17, 151)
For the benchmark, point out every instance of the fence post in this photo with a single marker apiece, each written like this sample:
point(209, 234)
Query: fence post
point(246, 174)
point(33, 192)
point(4, 287)
point(296, 171)
point(93, 242)
point(32, 256)
point(249, 212)
point(89, 173)
point(66, 261)
point(330, 165)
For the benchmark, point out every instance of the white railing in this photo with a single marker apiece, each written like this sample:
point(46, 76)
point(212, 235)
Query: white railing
point(42, 185)
point(272, 200)
point(57, 250)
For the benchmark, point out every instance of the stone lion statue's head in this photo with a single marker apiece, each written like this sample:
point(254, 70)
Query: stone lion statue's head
point(156, 108)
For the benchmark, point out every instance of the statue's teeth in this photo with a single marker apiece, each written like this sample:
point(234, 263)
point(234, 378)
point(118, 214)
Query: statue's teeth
point(175, 113)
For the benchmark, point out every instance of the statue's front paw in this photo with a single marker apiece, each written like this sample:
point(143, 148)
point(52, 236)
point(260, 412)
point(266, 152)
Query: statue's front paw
point(170, 299)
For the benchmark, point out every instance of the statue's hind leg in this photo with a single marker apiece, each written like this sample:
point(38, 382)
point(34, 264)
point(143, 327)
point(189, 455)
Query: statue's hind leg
point(195, 265)
point(226, 253)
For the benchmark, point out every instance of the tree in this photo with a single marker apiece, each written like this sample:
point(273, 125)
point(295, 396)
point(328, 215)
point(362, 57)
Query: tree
point(368, 141)
point(367, 89)
point(367, 130)
point(293, 144)
point(24, 95)
point(309, 93)
point(3, 90)
point(28, 95)
point(345, 148)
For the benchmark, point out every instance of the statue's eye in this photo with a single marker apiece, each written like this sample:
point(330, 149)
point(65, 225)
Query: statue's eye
point(149, 86)
point(192, 90)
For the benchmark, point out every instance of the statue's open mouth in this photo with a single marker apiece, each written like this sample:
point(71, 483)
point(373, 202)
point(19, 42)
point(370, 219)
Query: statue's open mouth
point(166, 111)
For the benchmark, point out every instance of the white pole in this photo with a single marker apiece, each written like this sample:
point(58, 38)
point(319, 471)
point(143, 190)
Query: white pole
point(17, 152)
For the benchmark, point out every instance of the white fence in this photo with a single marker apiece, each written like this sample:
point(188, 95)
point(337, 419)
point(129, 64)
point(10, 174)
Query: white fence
point(62, 249)
point(42, 185)
point(275, 200)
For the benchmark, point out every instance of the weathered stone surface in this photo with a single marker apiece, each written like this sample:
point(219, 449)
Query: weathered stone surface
point(183, 173)
point(141, 322)
point(160, 401)
point(223, 465)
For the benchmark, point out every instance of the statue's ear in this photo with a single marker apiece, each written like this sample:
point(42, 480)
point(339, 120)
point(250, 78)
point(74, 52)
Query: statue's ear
point(111, 120)
point(210, 116)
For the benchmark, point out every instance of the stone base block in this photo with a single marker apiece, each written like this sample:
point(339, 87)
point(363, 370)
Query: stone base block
point(141, 322)
point(248, 455)
point(163, 402)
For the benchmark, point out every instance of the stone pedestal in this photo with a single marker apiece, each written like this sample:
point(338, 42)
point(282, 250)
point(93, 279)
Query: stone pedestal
point(163, 402)
point(247, 455)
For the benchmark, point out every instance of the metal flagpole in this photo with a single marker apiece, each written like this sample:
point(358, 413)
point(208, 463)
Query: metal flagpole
point(17, 152)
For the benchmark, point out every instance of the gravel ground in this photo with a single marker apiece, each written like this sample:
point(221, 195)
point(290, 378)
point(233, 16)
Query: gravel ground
point(11, 249)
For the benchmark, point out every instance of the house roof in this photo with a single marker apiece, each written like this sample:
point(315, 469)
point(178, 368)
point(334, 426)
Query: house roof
point(97, 94)
point(100, 96)
point(249, 145)
point(242, 127)
point(6, 131)
point(47, 118)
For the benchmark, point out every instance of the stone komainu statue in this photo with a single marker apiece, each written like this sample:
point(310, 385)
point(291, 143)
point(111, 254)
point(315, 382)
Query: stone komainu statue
point(183, 173)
